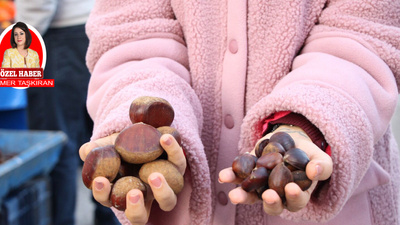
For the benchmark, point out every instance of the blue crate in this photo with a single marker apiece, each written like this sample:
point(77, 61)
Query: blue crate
point(30, 204)
point(13, 98)
point(13, 114)
point(37, 153)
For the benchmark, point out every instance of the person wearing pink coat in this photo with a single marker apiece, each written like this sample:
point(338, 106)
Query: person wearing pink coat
point(235, 72)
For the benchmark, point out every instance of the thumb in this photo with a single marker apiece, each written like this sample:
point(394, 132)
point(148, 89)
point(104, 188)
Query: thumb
point(89, 146)
point(320, 166)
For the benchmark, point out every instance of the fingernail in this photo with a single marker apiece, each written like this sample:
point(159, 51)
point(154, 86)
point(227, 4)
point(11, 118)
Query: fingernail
point(219, 181)
point(167, 140)
point(319, 171)
point(98, 185)
point(156, 182)
point(269, 202)
point(134, 198)
point(292, 195)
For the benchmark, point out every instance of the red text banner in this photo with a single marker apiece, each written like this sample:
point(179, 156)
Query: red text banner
point(21, 73)
point(26, 82)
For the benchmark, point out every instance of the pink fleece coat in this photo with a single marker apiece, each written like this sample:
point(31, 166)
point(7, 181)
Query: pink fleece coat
point(226, 65)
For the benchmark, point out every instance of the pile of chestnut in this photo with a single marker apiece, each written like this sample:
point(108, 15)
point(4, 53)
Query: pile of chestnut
point(136, 152)
point(6, 156)
point(276, 163)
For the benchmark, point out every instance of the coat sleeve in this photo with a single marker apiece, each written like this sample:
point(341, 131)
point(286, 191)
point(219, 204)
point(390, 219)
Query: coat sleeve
point(345, 81)
point(6, 60)
point(136, 49)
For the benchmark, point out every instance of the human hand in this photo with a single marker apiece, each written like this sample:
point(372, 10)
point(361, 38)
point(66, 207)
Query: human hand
point(138, 206)
point(318, 169)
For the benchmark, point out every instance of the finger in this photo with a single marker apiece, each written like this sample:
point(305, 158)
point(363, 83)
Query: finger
point(88, 146)
point(228, 176)
point(162, 192)
point(239, 196)
point(85, 149)
point(101, 190)
point(296, 199)
point(136, 211)
point(272, 202)
point(319, 168)
point(174, 151)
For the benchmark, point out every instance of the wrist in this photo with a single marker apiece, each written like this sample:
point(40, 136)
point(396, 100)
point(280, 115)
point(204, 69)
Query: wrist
point(294, 131)
point(273, 122)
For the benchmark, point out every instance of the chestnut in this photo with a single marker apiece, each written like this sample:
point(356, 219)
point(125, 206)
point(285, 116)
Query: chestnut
point(121, 188)
point(139, 143)
point(172, 131)
point(243, 165)
point(270, 160)
point(154, 111)
point(101, 161)
point(290, 167)
point(301, 179)
point(273, 147)
point(284, 139)
point(257, 179)
point(278, 178)
point(7, 156)
point(170, 172)
point(260, 191)
point(277, 163)
point(129, 169)
point(296, 158)
point(260, 147)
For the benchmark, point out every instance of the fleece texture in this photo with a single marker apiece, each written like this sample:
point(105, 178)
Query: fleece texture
point(225, 66)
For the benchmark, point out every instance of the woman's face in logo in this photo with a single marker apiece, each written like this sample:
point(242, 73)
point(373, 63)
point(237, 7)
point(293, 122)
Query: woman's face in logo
point(19, 36)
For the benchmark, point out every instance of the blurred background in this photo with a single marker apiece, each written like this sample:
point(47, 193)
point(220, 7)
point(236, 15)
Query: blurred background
point(7, 14)
point(35, 137)
point(41, 129)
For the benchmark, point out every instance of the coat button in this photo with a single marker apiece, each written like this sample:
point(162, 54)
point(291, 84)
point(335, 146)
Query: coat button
point(233, 46)
point(222, 198)
point(228, 121)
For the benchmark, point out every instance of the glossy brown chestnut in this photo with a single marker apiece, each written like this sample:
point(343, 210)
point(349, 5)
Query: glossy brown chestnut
point(273, 147)
point(170, 172)
point(154, 111)
point(101, 161)
point(290, 167)
point(129, 169)
point(139, 143)
point(301, 179)
point(6, 156)
point(279, 177)
point(260, 191)
point(258, 179)
point(284, 139)
point(121, 188)
point(172, 131)
point(243, 165)
point(260, 147)
point(297, 158)
point(269, 160)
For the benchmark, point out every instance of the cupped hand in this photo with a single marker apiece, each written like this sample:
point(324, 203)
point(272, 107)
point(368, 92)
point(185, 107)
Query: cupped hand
point(318, 169)
point(138, 206)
